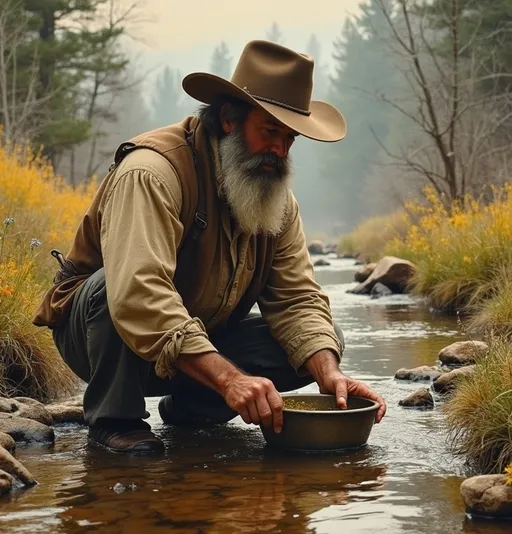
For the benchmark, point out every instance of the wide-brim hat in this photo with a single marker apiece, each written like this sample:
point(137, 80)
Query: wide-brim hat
point(278, 80)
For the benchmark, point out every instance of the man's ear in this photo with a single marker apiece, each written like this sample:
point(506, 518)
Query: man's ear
point(227, 125)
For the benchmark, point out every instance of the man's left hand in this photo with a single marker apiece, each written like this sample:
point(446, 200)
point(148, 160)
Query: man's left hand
point(325, 370)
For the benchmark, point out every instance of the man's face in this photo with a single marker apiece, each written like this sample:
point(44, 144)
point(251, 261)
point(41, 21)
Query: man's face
point(268, 140)
point(256, 171)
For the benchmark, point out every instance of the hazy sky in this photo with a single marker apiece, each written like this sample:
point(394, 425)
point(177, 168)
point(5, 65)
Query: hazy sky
point(183, 34)
point(179, 24)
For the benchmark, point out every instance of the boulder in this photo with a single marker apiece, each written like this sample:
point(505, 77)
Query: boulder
point(25, 430)
point(380, 290)
point(321, 263)
point(66, 413)
point(421, 398)
point(9, 464)
point(7, 442)
point(424, 372)
point(316, 247)
point(6, 482)
point(487, 495)
point(463, 352)
point(447, 381)
point(331, 248)
point(364, 272)
point(26, 407)
point(394, 273)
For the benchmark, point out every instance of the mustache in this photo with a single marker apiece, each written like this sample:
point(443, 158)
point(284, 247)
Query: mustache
point(253, 164)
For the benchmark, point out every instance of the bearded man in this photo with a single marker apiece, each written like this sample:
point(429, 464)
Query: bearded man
point(194, 224)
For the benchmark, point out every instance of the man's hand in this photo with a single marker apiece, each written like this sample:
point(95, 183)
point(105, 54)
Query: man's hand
point(256, 400)
point(324, 368)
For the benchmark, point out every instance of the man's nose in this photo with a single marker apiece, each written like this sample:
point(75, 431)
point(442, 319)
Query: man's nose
point(280, 147)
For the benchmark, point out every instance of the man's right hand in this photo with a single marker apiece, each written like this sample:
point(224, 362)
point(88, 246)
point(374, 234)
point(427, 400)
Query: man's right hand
point(256, 400)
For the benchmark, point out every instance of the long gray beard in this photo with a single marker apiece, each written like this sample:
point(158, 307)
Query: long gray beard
point(257, 198)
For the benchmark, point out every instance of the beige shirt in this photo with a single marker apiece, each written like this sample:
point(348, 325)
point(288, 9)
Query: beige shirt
point(140, 234)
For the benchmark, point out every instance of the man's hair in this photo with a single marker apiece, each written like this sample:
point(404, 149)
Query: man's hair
point(237, 112)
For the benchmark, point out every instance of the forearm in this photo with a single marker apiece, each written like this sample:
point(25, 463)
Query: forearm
point(209, 368)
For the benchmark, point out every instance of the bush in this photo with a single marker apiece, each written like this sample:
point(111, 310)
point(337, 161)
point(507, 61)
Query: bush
point(370, 239)
point(40, 212)
point(478, 413)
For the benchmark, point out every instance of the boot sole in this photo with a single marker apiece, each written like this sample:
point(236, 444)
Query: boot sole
point(131, 452)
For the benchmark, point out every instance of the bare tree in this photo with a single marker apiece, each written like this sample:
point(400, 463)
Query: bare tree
point(460, 132)
point(20, 106)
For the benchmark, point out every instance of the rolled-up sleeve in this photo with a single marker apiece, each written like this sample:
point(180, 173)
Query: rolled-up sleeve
point(293, 304)
point(140, 234)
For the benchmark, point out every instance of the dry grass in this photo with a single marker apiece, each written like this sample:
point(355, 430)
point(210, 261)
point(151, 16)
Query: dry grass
point(369, 240)
point(39, 212)
point(479, 413)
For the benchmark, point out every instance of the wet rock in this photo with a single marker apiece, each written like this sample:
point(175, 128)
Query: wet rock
point(9, 464)
point(321, 263)
point(27, 408)
point(421, 398)
point(330, 248)
point(424, 372)
point(25, 430)
point(447, 381)
point(7, 442)
point(316, 247)
point(6, 482)
point(393, 272)
point(380, 290)
point(66, 413)
point(463, 352)
point(364, 272)
point(487, 495)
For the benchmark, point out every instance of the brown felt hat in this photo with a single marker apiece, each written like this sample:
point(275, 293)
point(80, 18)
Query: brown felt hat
point(278, 80)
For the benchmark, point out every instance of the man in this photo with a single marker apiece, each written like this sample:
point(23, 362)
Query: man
point(195, 224)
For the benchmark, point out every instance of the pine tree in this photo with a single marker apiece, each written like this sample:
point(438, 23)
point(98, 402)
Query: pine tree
point(274, 34)
point(221, 61)
point(167, 100)
point(77, 63)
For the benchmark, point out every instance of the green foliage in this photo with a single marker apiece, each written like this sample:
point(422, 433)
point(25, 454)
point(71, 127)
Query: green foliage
point(484, 32)
point(71, 60)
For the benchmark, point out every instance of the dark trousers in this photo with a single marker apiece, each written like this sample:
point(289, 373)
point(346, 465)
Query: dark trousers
point(118, 380)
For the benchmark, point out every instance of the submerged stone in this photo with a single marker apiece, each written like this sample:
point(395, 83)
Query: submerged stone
point(7, 442)
point(448, 381)
point(9, 464)
point(463, 352)
point(6, 482)
point(487, 495)
point(421, 398)
point(25, 430)
point(66, 413)
point(424, 372)
point(27, 408)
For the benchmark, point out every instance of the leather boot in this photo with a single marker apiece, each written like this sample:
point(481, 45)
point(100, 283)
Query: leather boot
point(134, 437)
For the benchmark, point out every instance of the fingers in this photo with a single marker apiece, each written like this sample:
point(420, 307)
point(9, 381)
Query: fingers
point(341, 393)
point(275, 402)
point(362, 390)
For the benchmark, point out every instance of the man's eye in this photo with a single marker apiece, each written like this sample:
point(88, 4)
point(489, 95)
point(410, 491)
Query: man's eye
point(270, 131)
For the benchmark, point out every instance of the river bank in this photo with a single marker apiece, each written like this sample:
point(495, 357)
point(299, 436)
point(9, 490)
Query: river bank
point(462, 258)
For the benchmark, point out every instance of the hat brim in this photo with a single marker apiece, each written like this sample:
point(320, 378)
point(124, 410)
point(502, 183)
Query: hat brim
point(324, 123)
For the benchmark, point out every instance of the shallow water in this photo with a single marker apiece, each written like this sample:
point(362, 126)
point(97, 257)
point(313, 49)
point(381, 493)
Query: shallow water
point(227, 481)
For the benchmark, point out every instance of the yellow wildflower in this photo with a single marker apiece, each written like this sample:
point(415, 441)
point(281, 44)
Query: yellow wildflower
point(467, 259)
point(508, 472)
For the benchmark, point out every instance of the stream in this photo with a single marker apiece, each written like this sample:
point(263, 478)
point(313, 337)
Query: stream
point(226, 481)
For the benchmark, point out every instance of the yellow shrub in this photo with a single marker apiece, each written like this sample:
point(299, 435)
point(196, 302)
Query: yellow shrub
point(371, 237)
point(39, 212)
